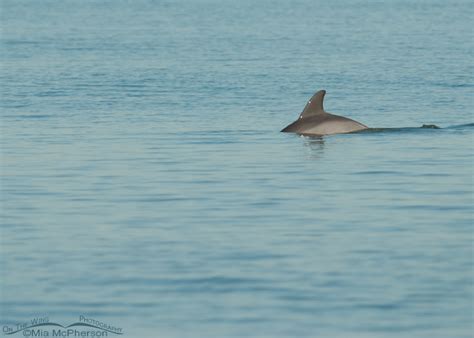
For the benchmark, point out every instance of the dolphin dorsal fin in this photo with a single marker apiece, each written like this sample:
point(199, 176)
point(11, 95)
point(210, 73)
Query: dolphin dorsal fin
point(314, 105)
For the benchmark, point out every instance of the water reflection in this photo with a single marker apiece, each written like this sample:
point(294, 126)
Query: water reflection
point(315, 144)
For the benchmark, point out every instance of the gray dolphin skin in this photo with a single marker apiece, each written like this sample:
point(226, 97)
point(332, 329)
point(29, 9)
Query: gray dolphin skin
point(315, 121)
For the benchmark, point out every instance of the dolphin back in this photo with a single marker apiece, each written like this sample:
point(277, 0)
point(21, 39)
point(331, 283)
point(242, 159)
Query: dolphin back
point(314, 120)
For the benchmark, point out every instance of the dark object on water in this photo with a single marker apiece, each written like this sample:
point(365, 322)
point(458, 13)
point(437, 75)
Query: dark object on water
point(430, 126)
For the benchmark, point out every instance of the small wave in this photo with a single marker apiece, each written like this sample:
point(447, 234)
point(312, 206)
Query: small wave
point(26, 117)
point(461, 126)
point(426, 127)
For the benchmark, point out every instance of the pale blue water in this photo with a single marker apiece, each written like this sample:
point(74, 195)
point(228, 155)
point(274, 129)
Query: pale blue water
point(145, 182)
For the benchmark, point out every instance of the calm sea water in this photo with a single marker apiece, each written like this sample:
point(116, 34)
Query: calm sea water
point(145, 183)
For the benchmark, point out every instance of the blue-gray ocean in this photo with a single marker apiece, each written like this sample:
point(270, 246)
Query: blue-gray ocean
point(145, 183)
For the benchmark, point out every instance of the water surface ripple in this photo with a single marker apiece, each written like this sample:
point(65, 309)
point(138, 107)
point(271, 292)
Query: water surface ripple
point(145, 182)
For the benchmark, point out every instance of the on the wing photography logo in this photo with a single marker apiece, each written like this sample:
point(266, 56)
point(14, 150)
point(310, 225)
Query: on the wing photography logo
point(43, 327)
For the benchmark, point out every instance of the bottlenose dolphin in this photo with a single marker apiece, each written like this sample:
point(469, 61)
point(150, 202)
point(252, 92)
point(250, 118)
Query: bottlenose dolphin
point(315, 121)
